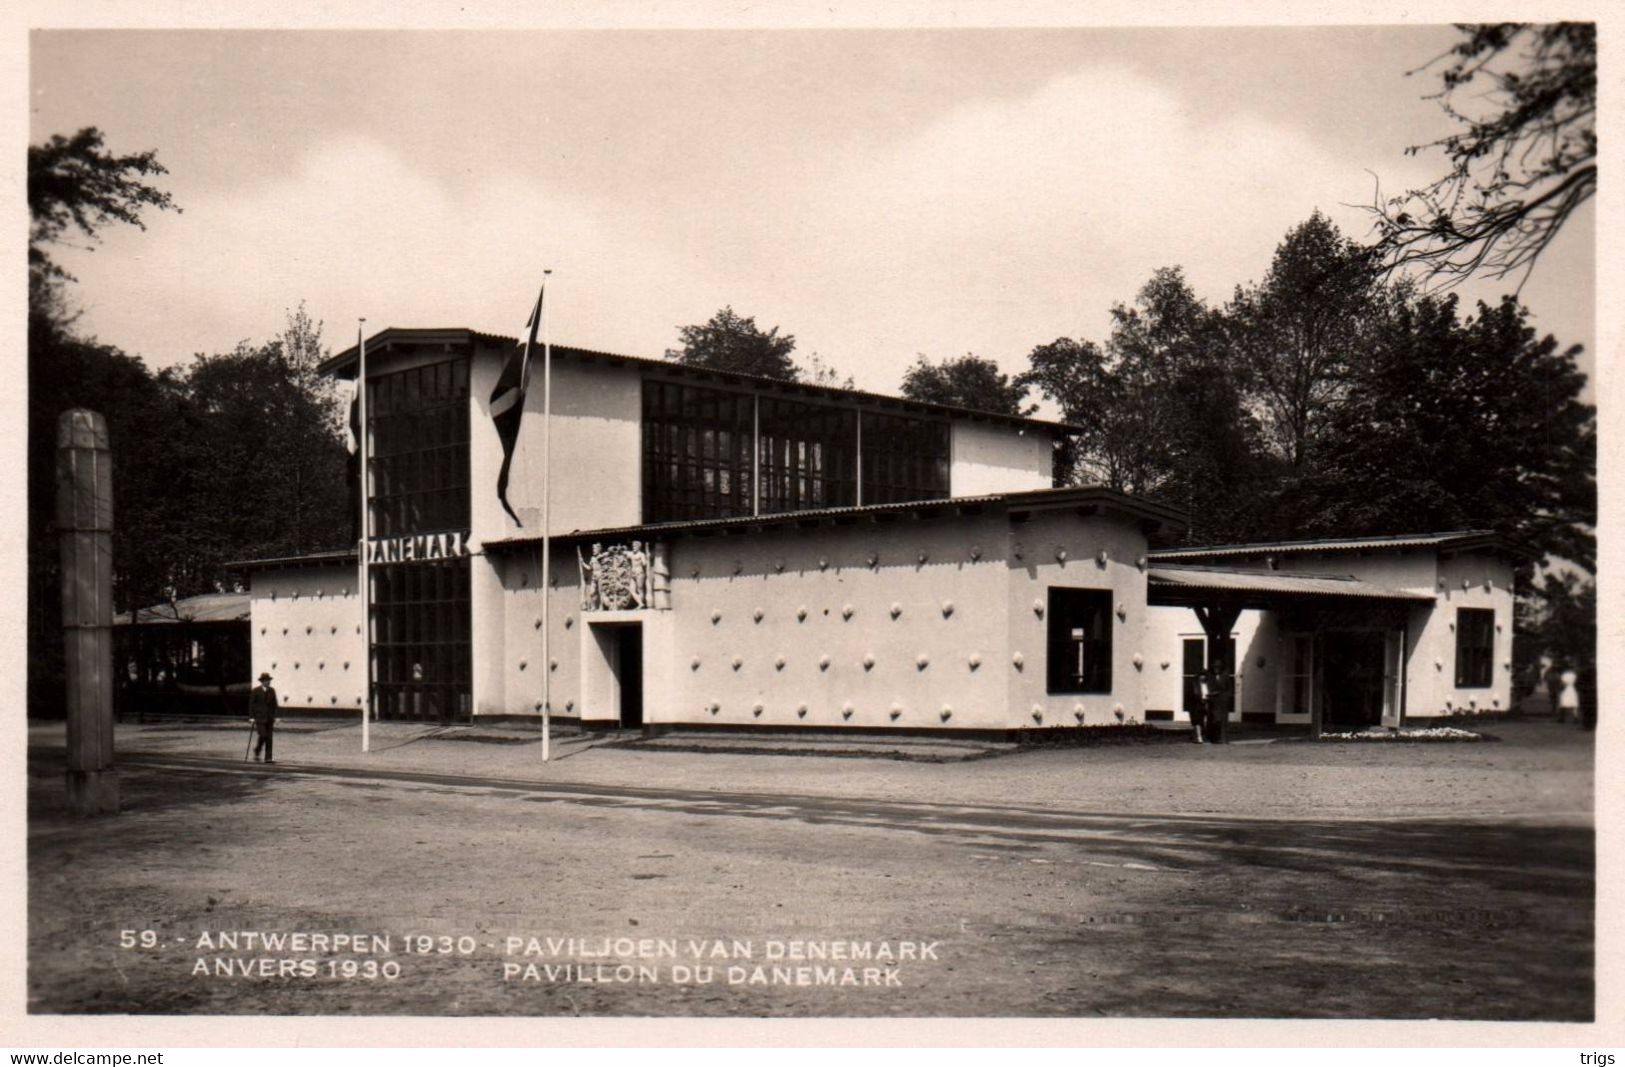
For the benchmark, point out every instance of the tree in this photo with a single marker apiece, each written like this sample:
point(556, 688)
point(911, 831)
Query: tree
point(818, 372)
point(1453, 423)
point(731, 343)
point(967, 381)
point(1160, 407)
point(73, 182)
point(1296, 331)
point(1524, 163)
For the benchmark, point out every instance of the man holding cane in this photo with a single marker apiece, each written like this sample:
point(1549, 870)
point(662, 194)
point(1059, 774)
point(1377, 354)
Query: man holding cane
point(262, 707)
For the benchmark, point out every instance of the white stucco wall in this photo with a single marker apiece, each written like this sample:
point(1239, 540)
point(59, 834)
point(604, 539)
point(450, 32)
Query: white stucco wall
point(305, 629)
point(1432, 679)
point(989, 458)
point(596, 444)
point(1035, 565)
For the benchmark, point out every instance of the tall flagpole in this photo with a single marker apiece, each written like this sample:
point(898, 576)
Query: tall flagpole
point(547, 523)
point(366, 540)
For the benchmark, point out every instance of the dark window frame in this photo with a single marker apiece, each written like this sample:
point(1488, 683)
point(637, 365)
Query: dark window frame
point(418, 449)
point(1071, 609)
point(1475, 648)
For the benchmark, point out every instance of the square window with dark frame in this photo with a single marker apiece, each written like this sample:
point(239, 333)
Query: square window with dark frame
point(1080, 641)
point(1475, 648)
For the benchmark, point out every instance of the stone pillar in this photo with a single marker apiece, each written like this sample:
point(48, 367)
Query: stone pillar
point(84, 522)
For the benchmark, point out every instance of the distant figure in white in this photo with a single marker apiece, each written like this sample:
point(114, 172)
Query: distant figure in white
point(1568, 698)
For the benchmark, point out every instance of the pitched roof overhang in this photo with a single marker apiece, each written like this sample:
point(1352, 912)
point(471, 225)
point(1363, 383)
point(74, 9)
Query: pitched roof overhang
point(1176, 585)
point(1451, 541)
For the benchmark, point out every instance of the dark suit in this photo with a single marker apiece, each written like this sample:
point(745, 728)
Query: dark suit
point(262, 707)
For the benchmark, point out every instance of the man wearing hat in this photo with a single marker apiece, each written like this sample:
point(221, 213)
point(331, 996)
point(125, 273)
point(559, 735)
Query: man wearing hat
point(262, 713)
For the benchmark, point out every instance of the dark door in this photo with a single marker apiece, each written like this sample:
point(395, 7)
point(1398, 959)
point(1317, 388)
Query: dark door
point(1355, 669)
point(629, 673)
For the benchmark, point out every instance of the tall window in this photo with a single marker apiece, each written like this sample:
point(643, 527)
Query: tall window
point(1080, 641)
point(904, 458)
point(422, 661)
point(418, 449)
point(697, 453)
point(808, 454)
point(1475, 647)
point(1297, 682)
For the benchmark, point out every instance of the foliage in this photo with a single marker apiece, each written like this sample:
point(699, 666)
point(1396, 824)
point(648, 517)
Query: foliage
point(1556, 621)
point(1160, 407)
point(818, 372)
point(1295, 332)
point(967, 381)
point(730, 342)
point(1524, 162)
point(75, 184)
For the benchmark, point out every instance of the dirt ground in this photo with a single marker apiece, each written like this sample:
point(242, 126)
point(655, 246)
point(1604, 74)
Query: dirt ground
point(1261, 880)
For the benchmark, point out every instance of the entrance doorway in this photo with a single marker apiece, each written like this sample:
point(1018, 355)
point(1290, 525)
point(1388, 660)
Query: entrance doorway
point(1356, 672)
point(614, 677)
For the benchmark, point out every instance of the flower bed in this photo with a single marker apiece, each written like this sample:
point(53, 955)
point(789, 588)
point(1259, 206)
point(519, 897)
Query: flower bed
point(1419, 733)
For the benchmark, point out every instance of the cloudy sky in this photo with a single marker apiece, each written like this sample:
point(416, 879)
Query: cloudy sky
point(879, 194)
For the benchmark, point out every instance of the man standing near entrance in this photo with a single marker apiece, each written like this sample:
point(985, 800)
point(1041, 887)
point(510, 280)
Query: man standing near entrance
point(262, 707)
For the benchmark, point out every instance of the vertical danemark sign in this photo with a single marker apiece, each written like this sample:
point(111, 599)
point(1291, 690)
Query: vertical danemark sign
point(366, 535)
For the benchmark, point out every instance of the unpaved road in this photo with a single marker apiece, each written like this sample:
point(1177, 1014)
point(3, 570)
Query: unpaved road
point(1164, 880)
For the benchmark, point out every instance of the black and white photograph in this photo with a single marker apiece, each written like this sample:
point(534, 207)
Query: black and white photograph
point(685, 515)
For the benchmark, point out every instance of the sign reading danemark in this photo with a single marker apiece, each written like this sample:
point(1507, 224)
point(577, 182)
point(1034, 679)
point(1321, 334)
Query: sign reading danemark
point(415, 547)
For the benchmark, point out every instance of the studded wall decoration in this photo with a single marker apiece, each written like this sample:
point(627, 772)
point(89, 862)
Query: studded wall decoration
point(1038, 608)
point(756, 615)
point(739, 566)
point(975, 552)
point(569, 705)
point(309, 630)
point(694, 571)
point(321, 665)
point(922, 661)
point(823, 662)
point(738, 663)
point(947, 608)
point(552, 664)
point(1017, 551)
point(1438, 664)
point(358, 629)
point(1139, 661)
point(716, 616)
point(778, 566)
point(523, 664)
point(896, 711)
point(284, 631)
point(333, 630)
point(1038, 714)
point(1102, 558)
point(1017, 659)
point(801, 711)
point(1164, 664)
point(1122, 611)
point(694, 664)
point(946, 713)
point(273, 665)
point(1466, 584)
point(1060, 553)
point(569, 621)
point(823, 563)
point(923, 556)
point(756, 710)
point(296, 665)
point(846, 710)
point(778, 663)
point(262, 631)
point(896, 609)
point(801, 613)
point(1142, 563)
point(874, 560)
point(1489, 583)
point(975, 660)
point(868, 661)
point(846, 611)
point(713, 707)
point(346, 664)
point(1117, 710)
point(1441, 584)
point(1077, 713)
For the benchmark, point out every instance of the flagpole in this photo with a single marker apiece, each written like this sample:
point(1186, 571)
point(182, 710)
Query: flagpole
point(547, 525)
point(366, 540)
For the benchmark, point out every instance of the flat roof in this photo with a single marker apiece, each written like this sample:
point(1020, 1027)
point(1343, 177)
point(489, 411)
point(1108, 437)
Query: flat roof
point(1173, 576)
point(1454, 539)
point(1092, 497)
point(343, 364)
point(205, 607)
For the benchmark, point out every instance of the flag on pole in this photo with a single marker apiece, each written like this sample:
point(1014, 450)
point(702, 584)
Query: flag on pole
point(508, 399)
